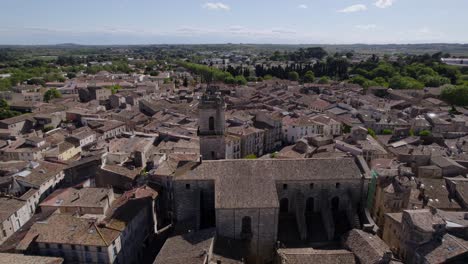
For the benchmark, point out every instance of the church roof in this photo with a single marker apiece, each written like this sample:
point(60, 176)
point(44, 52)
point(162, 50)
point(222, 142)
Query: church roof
point(252, 183)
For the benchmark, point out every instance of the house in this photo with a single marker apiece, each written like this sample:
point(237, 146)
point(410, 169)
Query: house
point(311, 255)
point(251, 139)
point(62, 152)
point(92, 201)
point(14, 213)
point(20, 258)
point(194, 248)
point(82, 139)
point(117, 236)
point(368, 248)
point(18, 124)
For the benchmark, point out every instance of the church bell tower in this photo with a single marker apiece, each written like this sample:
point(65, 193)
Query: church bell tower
point(211, 125)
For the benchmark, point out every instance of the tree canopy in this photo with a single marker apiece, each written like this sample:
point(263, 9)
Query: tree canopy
point(51, 94)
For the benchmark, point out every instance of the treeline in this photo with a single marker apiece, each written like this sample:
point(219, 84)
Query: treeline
point(37, 75)
point(455, 95)
point(300, 55)
point(210, 74)
point(409, 72)
point(332, 67)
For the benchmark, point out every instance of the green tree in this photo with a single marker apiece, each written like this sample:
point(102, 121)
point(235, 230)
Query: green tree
point(309, 77)
point(455, 95)
point(399, 82)
point(51, 94)
point(293, 76)
point(3, 104)
point(71, 75)
point(387, 132)
point(425, 133)
point(114, 88)
point(371, 132)
point(324, 80)
point(240, 80)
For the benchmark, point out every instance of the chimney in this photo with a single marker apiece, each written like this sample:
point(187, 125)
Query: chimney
point(433, 210)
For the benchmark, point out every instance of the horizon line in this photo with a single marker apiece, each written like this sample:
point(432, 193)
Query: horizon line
point(231, 43)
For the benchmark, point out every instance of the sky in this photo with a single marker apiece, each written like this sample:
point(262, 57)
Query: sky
point(105, 22)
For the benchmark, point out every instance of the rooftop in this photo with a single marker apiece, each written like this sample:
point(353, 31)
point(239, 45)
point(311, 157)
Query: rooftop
point(237, 180)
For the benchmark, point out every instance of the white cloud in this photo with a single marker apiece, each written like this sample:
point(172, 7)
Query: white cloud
point(384, 3)
point(366, 27)
point(216, 6)
point(424, 31)
point(353, 8)
point(303, 6)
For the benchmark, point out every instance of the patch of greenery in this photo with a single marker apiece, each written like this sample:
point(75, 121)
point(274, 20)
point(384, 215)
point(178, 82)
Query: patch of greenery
point(251, 156)
point(52, 94)
point(425, 133)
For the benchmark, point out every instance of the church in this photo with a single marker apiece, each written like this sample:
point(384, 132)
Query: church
point(263, 203)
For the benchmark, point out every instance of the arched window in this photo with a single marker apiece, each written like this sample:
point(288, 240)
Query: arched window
point(310, 205)
point(211, 123)
point(246, 225)
point(335, 203)
point(284, 205)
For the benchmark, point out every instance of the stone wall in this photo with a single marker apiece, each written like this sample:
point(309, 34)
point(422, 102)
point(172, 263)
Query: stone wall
point(263, 226)
point(212, 147)
point(190, 199)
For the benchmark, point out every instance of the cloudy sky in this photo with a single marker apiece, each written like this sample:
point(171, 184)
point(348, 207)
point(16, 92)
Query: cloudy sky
point(235, 21)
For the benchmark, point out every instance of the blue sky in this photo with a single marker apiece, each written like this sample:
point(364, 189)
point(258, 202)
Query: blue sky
point(235, 21)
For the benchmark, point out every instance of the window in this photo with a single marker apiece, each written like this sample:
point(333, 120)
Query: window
point(311, 186)
point(73, 247)
point(187, 186)
point(86, 248)
point(4, 233)
point(285, 186)
point(284, 205)
point(337, 185)
point(211, 123)
point(310, 205)
point(47, 245)
point(246, 225)
point(335, 203)
point(99, 249)
point(59, 246)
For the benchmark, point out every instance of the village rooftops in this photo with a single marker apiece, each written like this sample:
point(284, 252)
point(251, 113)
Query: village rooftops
point(368, 248)
point(68, 229)
point(191, 248)
point(9, 206)
point(237, 180)
point(84, 197)
point(310, 255)
point(24, 259)
point(64, 228)
point(42, 173)
point(443, 251)
point(424, 219)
